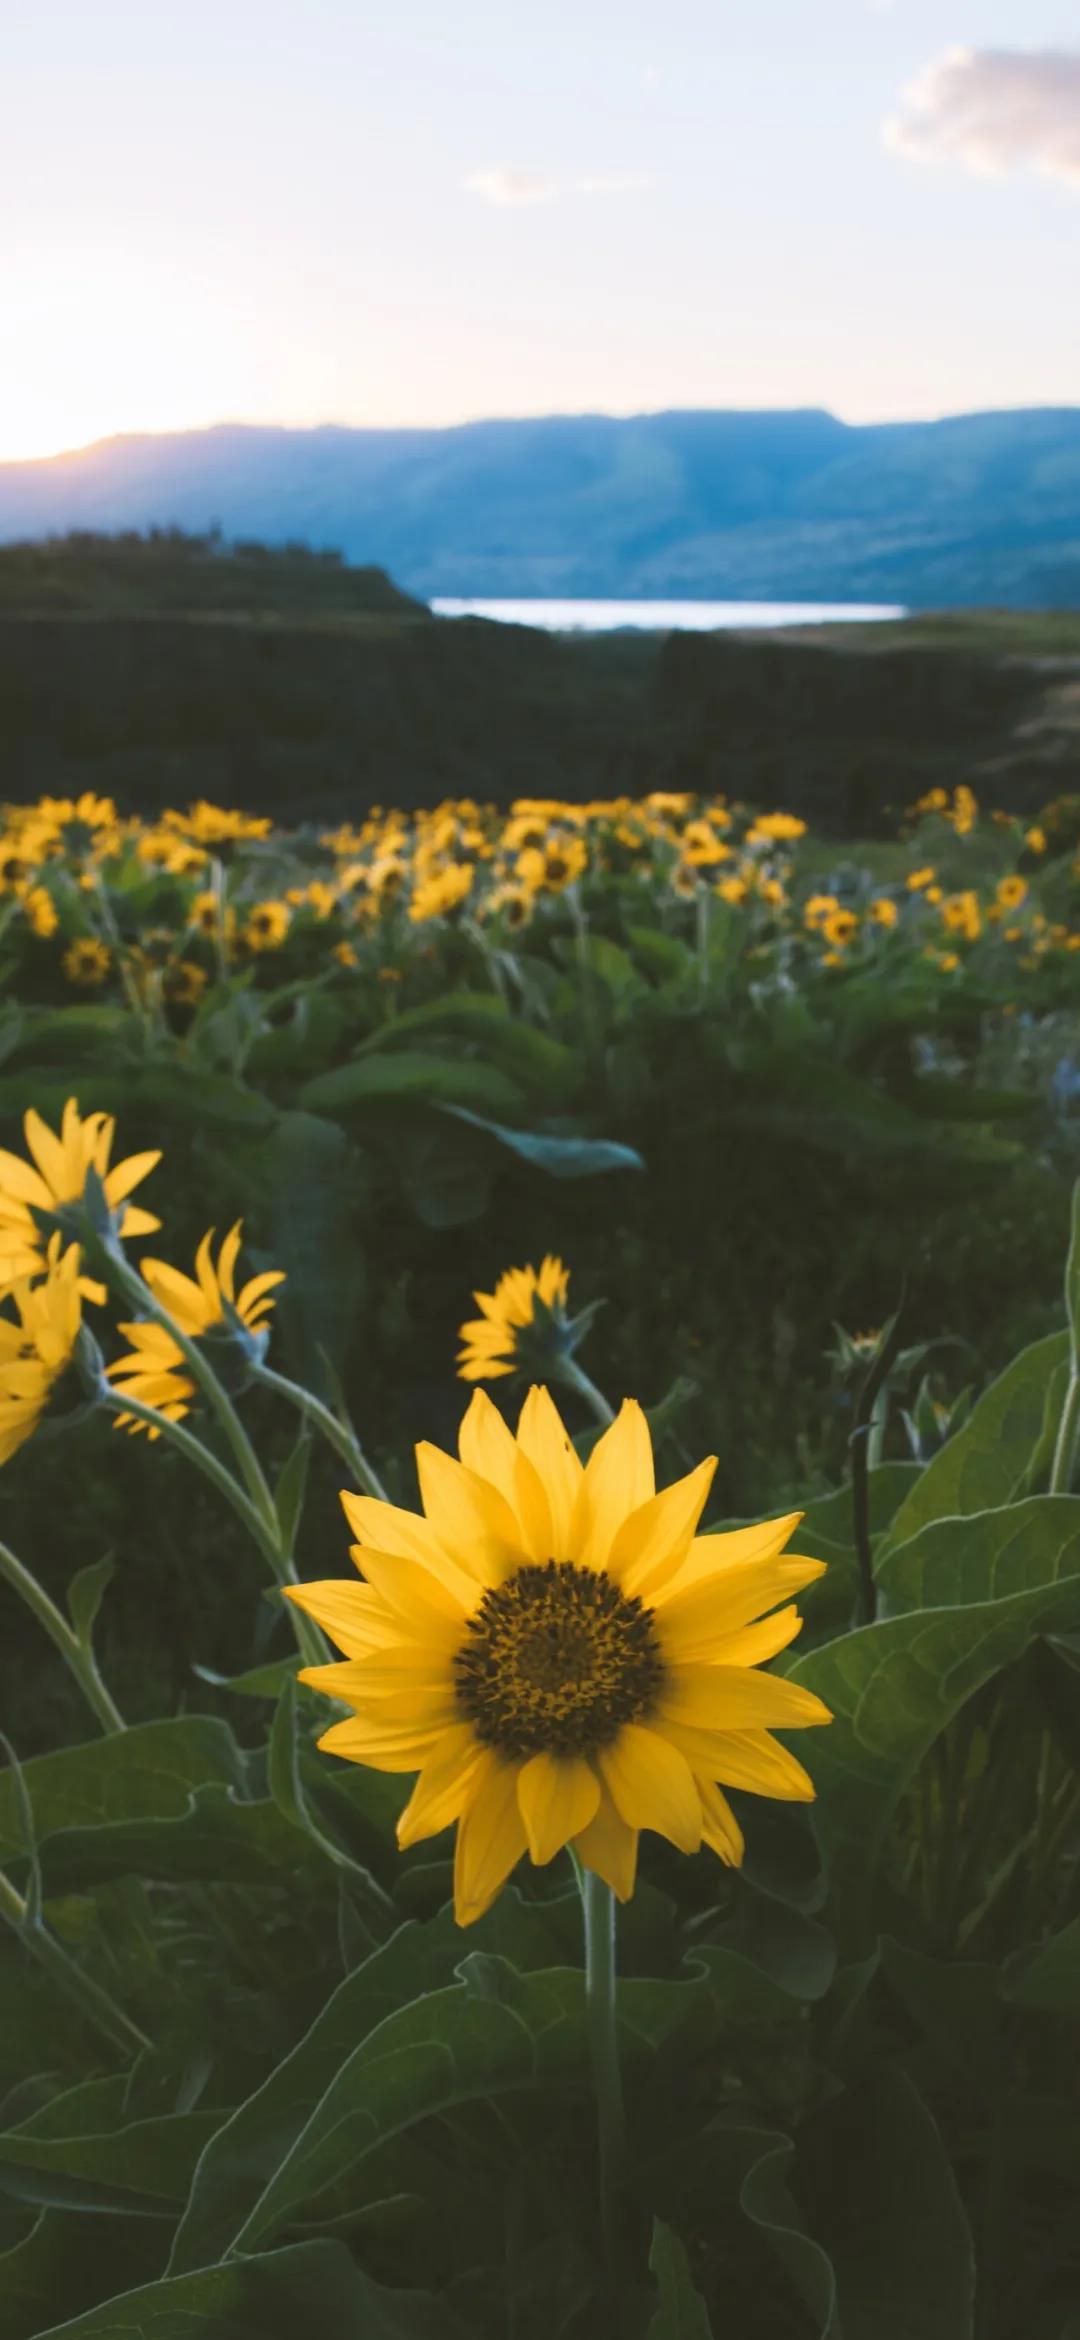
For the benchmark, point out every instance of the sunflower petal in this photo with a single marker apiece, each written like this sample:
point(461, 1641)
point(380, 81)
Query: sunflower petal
point(733, 1698)
point(618, 1479)
point(655, 1541)
point(748, 1645)
point(609, 1848)
point(542, 1437)
point(386, 1746)
point(720, 1829)
point(353, 1616)
point(444, 1786)
point(652, 1785)
point(558, 1796)
point(474, 1522)
point(490, 1838)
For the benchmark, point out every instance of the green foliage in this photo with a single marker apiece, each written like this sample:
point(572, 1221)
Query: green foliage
point(848, 2077)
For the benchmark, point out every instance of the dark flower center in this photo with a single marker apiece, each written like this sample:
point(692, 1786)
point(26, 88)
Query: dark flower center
point(555, 1661)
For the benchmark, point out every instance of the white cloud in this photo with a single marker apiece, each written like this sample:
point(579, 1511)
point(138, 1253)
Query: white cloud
point(505, 186)
point(994, 110)
point(502, 185)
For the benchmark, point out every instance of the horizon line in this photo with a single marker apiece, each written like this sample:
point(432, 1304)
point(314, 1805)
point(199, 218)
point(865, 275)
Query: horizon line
point(543, 415)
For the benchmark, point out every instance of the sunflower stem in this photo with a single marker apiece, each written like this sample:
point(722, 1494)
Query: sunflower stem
point(575, 1377)
point(76, 1654)
point(130, 1283)
point(598, 1907)
point(96, 2005)
point(340, 1435)
point(309, 1640)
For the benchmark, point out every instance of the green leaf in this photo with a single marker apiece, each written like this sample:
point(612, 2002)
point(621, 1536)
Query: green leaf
point(995, 1556)
point(423, 1080)
point(68, 2259)
point(215, 1836)
point(893, 1686)
point(311, 2286)
point(243, 2157)
point(987, 1461)
point(307, 1175)
point(545, 1068)
point(146, 1772)
point(560, 1156)
point(291, 1488)
point(85, 1595)
point(1048, 1979)
point(147, 2161)
point(287, 1786)
point(680, 2313)
point(1072, 1282)
point(891, 2215)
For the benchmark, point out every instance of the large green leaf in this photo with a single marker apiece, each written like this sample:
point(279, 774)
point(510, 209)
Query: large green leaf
point(1049, 1979)
point(146, 2162)
point(893, 1686)
point(891, 2215)
point(66, 2260)
point(998, 1554)
point(418, 1079)
point(547, 1069)
point(148, 1772)
point(560, 1155)
point(417, 1959)
point(216, 1835)
point(311, 2286)
point(680, 2312)
point(987, 1461)
point(495, 2031)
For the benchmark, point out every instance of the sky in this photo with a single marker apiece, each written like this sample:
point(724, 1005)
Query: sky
point(331, 210)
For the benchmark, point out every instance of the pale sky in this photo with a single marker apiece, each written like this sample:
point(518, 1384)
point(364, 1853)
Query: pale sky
point(339, 210)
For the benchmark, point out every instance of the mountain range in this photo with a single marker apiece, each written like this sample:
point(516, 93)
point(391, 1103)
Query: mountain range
point(977, 509)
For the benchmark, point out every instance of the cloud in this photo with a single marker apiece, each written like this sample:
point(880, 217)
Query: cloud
point(505, 186)
point(994, 110)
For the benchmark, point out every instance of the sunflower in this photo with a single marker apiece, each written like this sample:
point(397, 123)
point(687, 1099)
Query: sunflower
point(33, 1194)
point(266, 926)
point(524, 1297)
point(155, 1371)
point(86, 962)
point(559, 1655)
point(36, 1352)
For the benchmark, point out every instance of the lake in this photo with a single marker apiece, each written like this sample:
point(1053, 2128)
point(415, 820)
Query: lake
point(662, 617)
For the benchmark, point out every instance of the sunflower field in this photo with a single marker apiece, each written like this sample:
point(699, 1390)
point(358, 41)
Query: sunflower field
point(540, 1575)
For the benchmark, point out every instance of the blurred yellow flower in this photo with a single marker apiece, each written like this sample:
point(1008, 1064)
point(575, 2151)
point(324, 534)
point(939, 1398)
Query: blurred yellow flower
point(266, 926)
point(40, 912)
point(56, 1177)
point(883, 910)
point(1011, 891)
point(86, 962)
point(36, 1351)
point(155, 1370)
point(490, 1341)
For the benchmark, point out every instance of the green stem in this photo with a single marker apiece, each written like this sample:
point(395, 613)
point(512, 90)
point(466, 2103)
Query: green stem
point(95, 2003)
point(340, 1435)
point(141, 1297)
point(309, 1640)
point(77, 1656)
point(1068, 1437)
point(569, 1371)
point(598, 1906)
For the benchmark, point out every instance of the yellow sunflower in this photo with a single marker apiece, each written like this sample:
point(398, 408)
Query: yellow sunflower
point(490, 1342)
point(86, 962)
point(55, 1178)
point(559, 1655)
point(36, 1351)
point(155, 1371)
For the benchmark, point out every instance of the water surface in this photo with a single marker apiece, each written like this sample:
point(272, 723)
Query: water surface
point(699, 617)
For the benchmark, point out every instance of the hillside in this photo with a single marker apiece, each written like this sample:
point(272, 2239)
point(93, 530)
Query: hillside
point(981, 508)
point(319, 718)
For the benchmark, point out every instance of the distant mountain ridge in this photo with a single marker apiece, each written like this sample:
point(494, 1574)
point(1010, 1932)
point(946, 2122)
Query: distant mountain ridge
point(786, 505)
